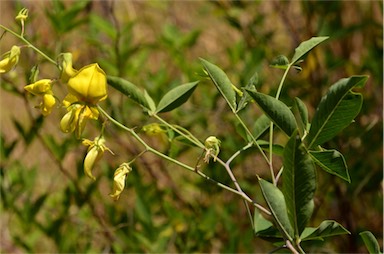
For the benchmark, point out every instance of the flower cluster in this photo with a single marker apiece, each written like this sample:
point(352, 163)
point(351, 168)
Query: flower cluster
point(86, 87)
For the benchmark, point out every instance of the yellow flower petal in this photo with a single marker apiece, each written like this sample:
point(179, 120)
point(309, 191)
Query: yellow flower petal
point(65, 65)
point(119, 180)
point(48, 102)
point(10, 61)
point(89, 84)
point(91, 158)
point(39, 87)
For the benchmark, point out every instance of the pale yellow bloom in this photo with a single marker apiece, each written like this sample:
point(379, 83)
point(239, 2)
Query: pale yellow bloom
point(43, 88)
point(22, 15)
point(212, 147)
point(95, 152)
point(89, 84)
point(10, 59)
point(119, 180)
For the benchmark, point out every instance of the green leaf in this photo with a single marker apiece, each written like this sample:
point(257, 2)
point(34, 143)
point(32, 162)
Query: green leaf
point(306, 46)
point(176, 97)
point(276, 203)
point(299, 183)
point(276, 148)
point(260, 126)
point(265, 229)
point(370, 242)
point(246, 98)
point(222, 82)
point(336, 110)
point(326, 229)
point(129, 89)
point(276, 110)
point(331, 161)
point(303, 112)
point(150, 102)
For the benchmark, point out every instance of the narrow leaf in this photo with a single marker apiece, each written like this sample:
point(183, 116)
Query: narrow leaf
point(331, 161)
point(306, 46)
point(326, 229)
point(299, 183)
point(260, 126)
point(246, 98)
point(336, 110)
point(276, 203)
point(303, 112)
point(370, 242)
point(128, 89)
point(276, 110)
point(176, 97)
point(222, 82)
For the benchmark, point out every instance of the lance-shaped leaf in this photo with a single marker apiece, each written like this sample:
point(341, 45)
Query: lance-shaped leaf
point(299, 183)
point(176, 97)
point(222, 82)
point(331, 161)
point(276, 110)
point(336, 110)
point(306, 46)
point(128, 89)
point(276, 203)
point(303, 112)
point(370, 242)
point(326, 229)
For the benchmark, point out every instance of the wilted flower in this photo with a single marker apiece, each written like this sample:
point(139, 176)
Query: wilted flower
point(119, 180)
point(95, 152)
point(11, 58)
point(212, 146)
point(89, 84)
point(43, 88)
point(22, 15)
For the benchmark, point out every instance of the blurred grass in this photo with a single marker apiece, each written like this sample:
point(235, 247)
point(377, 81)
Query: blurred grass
point(49, 206)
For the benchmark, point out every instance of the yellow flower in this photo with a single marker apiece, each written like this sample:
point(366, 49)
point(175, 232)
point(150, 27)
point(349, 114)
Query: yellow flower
point(22, 15)
point(65, 65)
point(76, 118)
point(43, 88)
point(119, 180)
point(10, 60)
point(89, 84)
point(95, 152)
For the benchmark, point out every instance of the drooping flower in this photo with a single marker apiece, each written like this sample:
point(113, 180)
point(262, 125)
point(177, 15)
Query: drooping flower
point(22, 15)
point(76, 118)
point(11, 58)
point(43, 88)
point(96, 150)
point(119, 180)
point(89, 84)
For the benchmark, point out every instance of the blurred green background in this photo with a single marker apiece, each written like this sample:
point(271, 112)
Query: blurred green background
point(48, 205)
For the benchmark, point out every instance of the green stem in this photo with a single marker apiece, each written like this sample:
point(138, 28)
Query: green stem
point(29, 44)
point(271, 127)
point(154, 151)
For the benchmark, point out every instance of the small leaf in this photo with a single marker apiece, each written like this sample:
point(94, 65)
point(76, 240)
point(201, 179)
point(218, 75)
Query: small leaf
point(222, 82)
point(130, 90)
point(276, 148)
point(176, 97)
point(370, 242)
point(303, 112)
point(246, 98)
point(280, 62)
point(306, 46)
point(150, 102)
point(276, 110)
point(336, 110)
point(276, 203)
point(299, 183)
point(260, 126)
point(326, 229)
point(332, 162)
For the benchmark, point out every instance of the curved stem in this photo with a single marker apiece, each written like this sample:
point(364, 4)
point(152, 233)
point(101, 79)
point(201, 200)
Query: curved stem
point(29, 44)
point(166, 157)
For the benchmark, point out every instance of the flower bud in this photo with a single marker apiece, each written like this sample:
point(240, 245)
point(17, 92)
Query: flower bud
point(212, 146)
point(10, 60)
point(65, 65)
point(153, 129)
point(119, 180)
point(89, 85)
